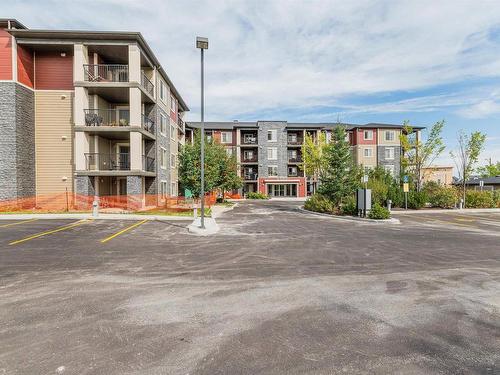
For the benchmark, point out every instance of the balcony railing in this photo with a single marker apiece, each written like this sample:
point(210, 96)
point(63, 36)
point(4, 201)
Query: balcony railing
point(249, 176)
point(182, 125)
point(250, 140)
point(295, 141)
point(107, 162)
point(105, 73)
point(107, 117)
point(249, 159)
point(147, 84)
point(148, 124)
point(148, 164)
point(295, 159)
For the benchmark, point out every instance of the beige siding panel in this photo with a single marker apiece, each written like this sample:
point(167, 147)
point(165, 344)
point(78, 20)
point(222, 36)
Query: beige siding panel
point(383, 142)
point(53, 141)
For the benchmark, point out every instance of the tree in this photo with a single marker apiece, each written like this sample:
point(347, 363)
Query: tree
point(467, 156)
point(418, 155)
point(341, 175)
point(220, 168)
point(313, 155)
point(489, 170)
point(229, 179)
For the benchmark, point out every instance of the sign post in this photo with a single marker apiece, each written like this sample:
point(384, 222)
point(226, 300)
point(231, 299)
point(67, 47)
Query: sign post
point(481, 184)
point(406, 189)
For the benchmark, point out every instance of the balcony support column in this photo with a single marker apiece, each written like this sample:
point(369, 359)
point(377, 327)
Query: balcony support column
point(135, 107)
point(81, 102)
point(134, 63)
point(80, 57)
point(135, 151)
point(82, 146)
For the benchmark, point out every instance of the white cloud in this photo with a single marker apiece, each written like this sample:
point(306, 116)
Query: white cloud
point(288, 54)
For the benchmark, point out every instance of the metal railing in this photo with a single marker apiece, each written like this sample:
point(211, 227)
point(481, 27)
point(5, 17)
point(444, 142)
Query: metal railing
point(107, 117)
point(147, 84)
point(182, 125)
point(105, 73)
point(249, 176)
point(295, 141)
point(252, 140)
point(296, 159)
point(248, 160)
point(107, 162)
point(148, 124)
point(148, 164)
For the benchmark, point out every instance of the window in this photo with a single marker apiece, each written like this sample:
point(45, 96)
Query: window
point(163, 158)
point(173, 189)
point(172, 104)
point(209, 136)
point(389, 168)
point(292, 138)
point(249, 138)
point(389, 153)
point(368, 135)
point(163, 90)
point(229, 151)
point(163, 124)
point(172, 160)
point(292, 155)
point(272, 170)
point(172, 131)
point(272, 135)
point(272, 153)
point(248, 155)
point(226, 137)
point(368, 152)
point(163, 189)
point(292, 171)
point(389, 135)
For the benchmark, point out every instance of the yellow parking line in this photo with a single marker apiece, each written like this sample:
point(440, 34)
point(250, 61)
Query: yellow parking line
point(80, 222)
point(19, 222)
point(123, 231)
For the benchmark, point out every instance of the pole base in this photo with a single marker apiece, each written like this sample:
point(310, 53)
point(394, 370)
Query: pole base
point(211, 227)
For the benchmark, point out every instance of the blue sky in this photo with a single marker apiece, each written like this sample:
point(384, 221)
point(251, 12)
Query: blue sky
point(358, 61)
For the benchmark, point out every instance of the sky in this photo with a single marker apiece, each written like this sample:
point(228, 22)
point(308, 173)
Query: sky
point(315, 61)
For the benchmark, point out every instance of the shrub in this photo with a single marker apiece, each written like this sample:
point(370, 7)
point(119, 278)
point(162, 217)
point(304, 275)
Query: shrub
point(496, 198)
point(479, 199)
point(379, 191)
point(443, 197)
point(378, 212)
point(396, 195)
point(417, 199)
point(349, 207)
point(257, 195)
point(319, 203)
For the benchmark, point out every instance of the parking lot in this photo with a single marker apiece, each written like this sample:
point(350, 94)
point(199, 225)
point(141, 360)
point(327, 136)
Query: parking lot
point(277, 290)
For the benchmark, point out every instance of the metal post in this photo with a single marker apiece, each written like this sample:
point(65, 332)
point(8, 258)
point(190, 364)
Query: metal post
point(406, 200)
point(202, 193)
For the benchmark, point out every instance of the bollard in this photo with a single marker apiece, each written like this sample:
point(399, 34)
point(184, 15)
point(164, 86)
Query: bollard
point(461, 204)
point(95, 208)
point(389, 204)
point(195, 213)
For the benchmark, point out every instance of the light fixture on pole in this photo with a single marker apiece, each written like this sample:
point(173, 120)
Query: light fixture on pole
point(202, 44)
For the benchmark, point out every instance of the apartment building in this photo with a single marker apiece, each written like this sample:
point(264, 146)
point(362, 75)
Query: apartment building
point(269, 153)
point(90, 112)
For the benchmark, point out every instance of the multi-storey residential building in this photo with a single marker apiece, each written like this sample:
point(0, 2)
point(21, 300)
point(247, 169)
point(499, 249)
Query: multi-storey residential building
point(269, 153)
point(88, 112)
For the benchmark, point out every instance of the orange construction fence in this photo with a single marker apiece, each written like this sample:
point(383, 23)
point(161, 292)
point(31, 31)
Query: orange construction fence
point(71, 202)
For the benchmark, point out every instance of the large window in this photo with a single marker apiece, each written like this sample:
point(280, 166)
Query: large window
point(172, 160)
point(368, 135)
point(389, 153)
point(163, 124)
point(292, 171)
point(272, 170)
point(272, 135)
point(173, 131)
point(368, 152)
point(208, 135)
point(163, 189)
point(272, 153)
point(389, 135)
point(163, 91)
point(248, 155)
point(226, 137)
point(163, 158)
point(173, 189)
point(173, 104)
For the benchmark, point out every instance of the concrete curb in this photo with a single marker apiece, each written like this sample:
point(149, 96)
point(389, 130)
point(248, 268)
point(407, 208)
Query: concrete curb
point(98, 217)
point(447, 211)
point(353, 218)
point(211, 227)
point(219, 210)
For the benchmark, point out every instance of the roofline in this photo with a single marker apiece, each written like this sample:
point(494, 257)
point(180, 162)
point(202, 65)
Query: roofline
point(319, 125)
point(13, 20)
point(99, 35)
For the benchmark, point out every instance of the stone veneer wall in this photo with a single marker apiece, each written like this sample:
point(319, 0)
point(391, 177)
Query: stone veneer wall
point(84, 185)
point(396, 161)
point(17, 141)
point(281, 144)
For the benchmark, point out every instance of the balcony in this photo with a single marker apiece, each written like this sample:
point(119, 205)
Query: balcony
point(249, 176)
point(249, 139)
point(107, 162)
point(107, 117)
point(148, 164)
point(249, 159)
point(148, 124)
point(294, 141)
point(295, 159)
point(147, 84)
point(105, 73)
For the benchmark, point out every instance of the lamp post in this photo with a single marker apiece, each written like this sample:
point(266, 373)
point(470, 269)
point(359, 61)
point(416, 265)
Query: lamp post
point(202, 44)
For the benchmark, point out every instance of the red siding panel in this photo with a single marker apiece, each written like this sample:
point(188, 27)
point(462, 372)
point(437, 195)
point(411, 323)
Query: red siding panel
point(360, 137)
point(53, 71)
point(25, 66)
point(5, 55)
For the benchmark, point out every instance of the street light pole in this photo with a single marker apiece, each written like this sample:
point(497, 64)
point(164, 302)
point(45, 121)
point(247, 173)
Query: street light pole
point(202, 44)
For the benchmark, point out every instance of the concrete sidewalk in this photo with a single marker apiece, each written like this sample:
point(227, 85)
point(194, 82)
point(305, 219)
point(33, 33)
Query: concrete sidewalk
point(446, 211)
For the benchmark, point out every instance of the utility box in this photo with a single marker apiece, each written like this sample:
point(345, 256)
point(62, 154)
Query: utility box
point(364, 201)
